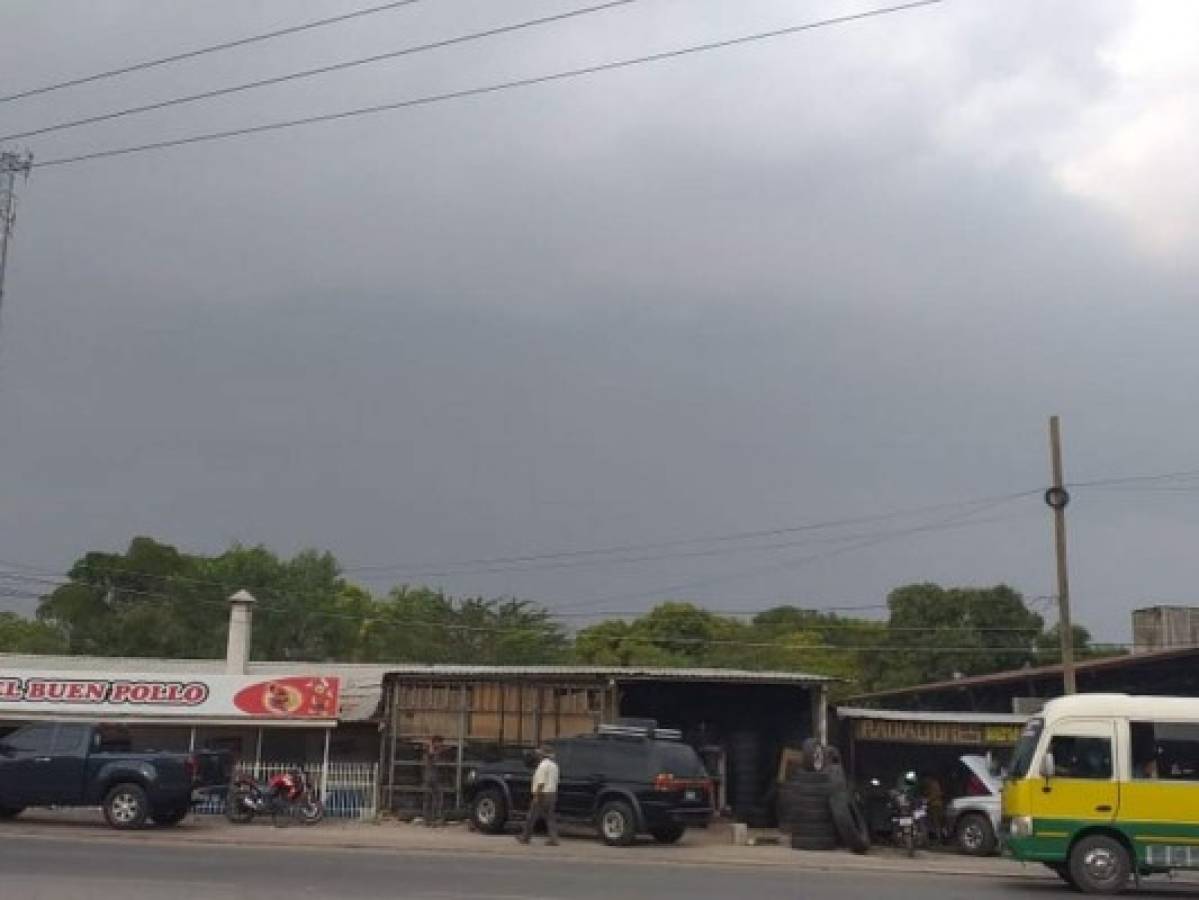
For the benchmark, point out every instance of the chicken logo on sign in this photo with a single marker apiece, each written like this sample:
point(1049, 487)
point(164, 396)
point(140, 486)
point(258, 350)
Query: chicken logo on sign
point(290, 698)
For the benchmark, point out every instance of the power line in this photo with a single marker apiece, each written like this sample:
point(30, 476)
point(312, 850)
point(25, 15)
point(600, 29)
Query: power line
point(321, 70)
point(659, 557)
point(950, 523)
point(487, 89)
point(163, 596)
point(685, 542)
point(1135, 479)
point(657, 639)
point(201, 51)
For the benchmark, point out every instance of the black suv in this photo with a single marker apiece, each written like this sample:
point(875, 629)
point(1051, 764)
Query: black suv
point(623, 780)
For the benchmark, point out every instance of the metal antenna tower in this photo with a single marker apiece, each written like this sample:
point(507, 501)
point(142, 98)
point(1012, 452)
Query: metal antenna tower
point(11, 165)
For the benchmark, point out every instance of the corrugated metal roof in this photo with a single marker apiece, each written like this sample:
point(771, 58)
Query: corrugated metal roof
point(370, 671)
point(1131, 660)
point(955, 718)
point(618, 673)
point(362, 683)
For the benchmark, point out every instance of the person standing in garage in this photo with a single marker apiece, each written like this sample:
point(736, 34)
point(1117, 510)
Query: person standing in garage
point(543, 803)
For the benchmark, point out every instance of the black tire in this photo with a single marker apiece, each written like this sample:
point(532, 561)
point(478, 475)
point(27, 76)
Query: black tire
point(974, 835)
point(826, 842)
point(836, 775)
point(312, 810)
point(126, 807)
point(11, 812)
point(815, 830)
point(171, 816)
point(668, 834)
point(236, 811)
point(806, 809)
point(850, 822)
point(617, 824)
point(802, 778)
point(1062, 871)
point(1100, 864)
point(489, 811)
point(809, 807)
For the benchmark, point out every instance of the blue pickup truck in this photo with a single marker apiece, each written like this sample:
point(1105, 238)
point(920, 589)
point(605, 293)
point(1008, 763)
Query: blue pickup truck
point(78, 764)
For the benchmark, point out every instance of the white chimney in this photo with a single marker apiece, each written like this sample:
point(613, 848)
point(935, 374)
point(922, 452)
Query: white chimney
point(241, 616)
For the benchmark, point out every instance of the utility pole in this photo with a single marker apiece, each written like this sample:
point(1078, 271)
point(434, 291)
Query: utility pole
point(1057, 497)
point(11, 165)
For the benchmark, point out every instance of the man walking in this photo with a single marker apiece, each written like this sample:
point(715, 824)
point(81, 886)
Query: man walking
point(431, 781)
point(543, 803)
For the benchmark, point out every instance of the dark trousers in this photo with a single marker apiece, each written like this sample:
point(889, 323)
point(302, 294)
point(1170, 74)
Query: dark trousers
point(434, 803)
point(542, 806)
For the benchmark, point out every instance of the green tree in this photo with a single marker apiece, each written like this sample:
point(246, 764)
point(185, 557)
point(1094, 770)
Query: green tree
point(935, 633)
point(1049, 646)
point(21, 635)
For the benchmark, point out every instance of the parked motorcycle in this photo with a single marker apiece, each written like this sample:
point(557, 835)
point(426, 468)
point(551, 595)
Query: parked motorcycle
point(909, 815)
point(287, 796)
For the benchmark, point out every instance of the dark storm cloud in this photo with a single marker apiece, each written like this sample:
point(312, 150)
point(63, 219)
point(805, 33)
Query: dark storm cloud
point(822, 278)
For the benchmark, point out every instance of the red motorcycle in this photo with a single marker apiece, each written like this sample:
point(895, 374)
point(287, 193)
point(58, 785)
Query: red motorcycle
point(287, 796)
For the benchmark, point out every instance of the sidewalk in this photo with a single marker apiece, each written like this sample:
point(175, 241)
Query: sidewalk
point(703, 847)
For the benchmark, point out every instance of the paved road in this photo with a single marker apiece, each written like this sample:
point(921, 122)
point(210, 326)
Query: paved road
point(41, 868)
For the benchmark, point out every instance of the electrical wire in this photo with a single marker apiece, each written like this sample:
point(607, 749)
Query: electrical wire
point(846, 626)
point(636, 639)
point(430, 99)
point(665, 591)
point(202, 51)
point(413, 568)
point(321, 70)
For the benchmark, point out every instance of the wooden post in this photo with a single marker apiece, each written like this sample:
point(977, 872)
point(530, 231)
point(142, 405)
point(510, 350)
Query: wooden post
point(394, 687)
point(461, 745)
point(1057, 497)
point(325, 767)
point(819, 703)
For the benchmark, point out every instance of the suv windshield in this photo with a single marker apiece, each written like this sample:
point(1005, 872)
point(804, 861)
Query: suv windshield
point(1026, 747)
point(678, 760)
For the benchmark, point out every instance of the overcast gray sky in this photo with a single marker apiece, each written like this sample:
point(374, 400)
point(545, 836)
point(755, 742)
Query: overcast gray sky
point(828, 276)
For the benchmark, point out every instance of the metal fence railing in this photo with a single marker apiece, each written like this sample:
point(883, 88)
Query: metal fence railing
point(349, 790)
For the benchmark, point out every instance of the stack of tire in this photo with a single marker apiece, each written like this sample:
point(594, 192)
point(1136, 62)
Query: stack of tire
point(747, 776)
point(816, 808)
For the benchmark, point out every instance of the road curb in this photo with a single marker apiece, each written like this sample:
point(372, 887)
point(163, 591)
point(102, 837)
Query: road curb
point(798, 861)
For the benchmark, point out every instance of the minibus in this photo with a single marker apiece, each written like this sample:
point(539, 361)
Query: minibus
point(1104, 789)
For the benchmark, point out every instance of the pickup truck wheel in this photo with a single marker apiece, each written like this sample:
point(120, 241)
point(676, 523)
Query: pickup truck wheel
point(974, 835)
point(172, 816)
point(11, 812)
point(617, 825)
point(490, 811)
point(125, 806)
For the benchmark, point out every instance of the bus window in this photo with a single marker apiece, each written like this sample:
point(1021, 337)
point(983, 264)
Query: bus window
point(1027, 746)
point(1081, 757)
point(1167, 750)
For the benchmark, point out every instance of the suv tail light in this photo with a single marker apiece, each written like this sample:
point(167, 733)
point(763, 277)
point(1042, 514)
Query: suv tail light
point(191, 768)
point(667, 783)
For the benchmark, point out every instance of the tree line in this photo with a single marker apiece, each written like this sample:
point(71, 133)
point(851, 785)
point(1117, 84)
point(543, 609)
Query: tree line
point(154, 600)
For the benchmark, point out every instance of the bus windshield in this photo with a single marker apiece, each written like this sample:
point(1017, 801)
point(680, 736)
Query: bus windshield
point(1026, 747)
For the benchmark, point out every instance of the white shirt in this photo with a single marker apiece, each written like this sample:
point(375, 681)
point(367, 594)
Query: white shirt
point(545, 778)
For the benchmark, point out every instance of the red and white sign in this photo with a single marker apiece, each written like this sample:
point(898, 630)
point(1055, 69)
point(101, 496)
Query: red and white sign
point(305, 697)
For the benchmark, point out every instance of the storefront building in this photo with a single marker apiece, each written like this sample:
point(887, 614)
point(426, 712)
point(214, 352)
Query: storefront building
point(360, 729)
point(883, 744)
